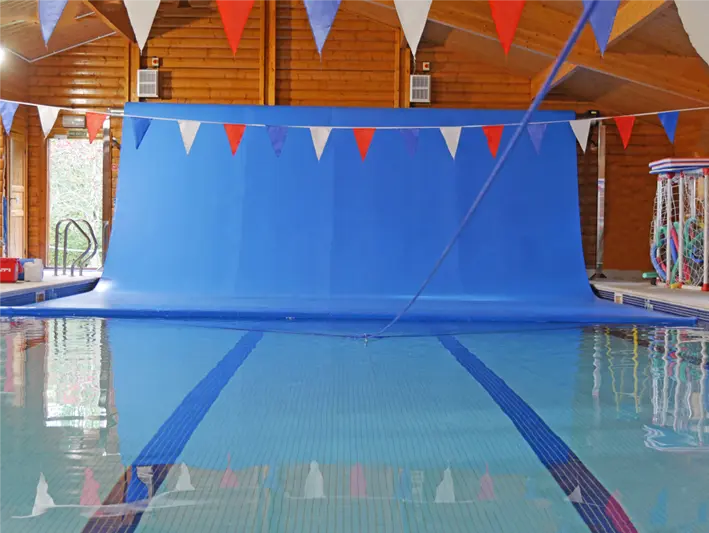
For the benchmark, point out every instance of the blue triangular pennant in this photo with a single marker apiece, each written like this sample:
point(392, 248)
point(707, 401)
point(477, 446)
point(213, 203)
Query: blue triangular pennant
point(50, 11)
point(658, 515)
point(536, 134)
point(321, 14)
point(277, 134)
point(140, 126)
point(411, 139)
point(669, 121)
point(403, 487)
point(602, 19)
point(271, 481)
point(8, 110)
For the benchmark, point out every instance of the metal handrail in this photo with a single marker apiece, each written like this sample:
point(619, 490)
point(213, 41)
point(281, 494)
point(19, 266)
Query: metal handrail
point(87, 254)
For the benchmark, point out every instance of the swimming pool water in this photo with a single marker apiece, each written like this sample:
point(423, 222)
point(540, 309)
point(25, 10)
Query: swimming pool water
point(152, 426)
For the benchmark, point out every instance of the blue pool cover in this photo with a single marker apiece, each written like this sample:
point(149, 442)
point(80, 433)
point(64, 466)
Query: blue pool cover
point(260, 236)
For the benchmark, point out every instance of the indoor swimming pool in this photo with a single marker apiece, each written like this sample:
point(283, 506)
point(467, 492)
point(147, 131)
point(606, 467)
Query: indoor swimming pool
point(156, 426)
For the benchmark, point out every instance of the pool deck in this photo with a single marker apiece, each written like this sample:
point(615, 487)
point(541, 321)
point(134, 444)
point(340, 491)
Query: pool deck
point(682, 302)
point(51, 287)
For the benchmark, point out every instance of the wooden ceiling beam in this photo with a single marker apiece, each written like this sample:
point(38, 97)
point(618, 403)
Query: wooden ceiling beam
point(630, 17)
point(547, 39)
point(114, 15)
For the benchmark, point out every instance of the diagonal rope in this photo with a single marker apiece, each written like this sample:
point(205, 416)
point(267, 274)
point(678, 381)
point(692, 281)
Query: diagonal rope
point(498, 166)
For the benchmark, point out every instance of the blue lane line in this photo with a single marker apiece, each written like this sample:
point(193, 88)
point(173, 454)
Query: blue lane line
point(167, 444)
point(599, 510)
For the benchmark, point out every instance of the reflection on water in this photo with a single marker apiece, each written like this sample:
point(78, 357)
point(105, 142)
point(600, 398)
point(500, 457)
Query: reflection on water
point(68, 464)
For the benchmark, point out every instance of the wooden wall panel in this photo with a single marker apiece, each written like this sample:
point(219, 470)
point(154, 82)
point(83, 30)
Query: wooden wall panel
point(358, 65)
point(457, 80)
point(13, 86)
point(630, 194)
point(196, 62)
point(88, 77)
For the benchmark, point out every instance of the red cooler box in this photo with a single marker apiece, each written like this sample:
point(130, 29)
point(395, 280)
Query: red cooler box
point(9, 270)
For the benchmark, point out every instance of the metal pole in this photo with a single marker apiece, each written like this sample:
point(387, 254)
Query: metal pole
point(693, 200)
point(668, 232)
point(601, 202)
point(680, 231)
point(659, 198)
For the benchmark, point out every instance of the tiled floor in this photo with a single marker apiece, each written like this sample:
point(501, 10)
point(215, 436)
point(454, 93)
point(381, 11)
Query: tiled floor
point(685, 297)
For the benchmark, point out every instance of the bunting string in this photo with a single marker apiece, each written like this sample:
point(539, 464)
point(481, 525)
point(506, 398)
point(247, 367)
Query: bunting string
point(114, 114)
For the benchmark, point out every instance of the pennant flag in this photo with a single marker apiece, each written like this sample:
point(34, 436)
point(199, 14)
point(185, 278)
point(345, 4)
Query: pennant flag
point(271, 481)
point(506, 14)
point(493, 135)
point(140, 127)
point(413, 15)
point(625, 127)
point(614, 510)
point(358, 483)
point(536, 134)
point(321, 14)
point(314, 487)
point(445, 491)
point(229, 479)
point(411, 139)
point(669, 122)
point(576, 496)
point(452, 136)
point(89, 492)
point(277, 134)
point(658, 515)
point(8, 110)
point(234, 14)
point(363, 136)
point(50, 11)
point(188, 131)
point(142, 14)
point(184, 480)
point(234, 133)
point(602, 20)
point(320, 136)
point(403, 488)
point(43, 501)
point(581, 129)
point(94, 122)
point(47, 117)
point(487, 486)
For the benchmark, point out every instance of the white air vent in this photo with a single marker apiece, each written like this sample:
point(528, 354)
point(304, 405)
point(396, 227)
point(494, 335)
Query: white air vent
point(420, 88)
point(148, 83)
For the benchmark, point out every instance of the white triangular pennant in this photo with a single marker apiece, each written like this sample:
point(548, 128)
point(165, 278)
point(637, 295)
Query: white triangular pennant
point(47, 117)
point(581, 129)
point(141, 14)
point(320, 135)
point(452, 137)
point(575, 496)
point(413, 15)
point(188, 130)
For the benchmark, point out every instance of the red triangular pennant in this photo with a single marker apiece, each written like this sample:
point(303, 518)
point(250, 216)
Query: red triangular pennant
point(234, 132)
point(234, 15)
point(625, 127)
point(506, 14)
point(94, 122)
point(493, 134)
point(363, 136)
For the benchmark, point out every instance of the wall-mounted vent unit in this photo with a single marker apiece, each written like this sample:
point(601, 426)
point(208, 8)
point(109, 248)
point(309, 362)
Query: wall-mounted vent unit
point(420, 89)
point(148, 83)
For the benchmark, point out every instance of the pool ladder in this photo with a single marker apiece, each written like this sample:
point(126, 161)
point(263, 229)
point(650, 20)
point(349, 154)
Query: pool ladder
point(87, 254)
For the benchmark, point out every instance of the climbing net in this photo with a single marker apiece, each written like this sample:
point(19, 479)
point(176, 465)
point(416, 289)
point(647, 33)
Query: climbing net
point(679, 231)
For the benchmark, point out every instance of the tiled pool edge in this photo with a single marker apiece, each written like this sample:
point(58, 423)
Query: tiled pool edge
point(38, 294)
point(625, 298)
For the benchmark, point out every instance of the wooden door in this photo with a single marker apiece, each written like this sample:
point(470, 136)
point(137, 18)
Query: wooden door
point(17, 234)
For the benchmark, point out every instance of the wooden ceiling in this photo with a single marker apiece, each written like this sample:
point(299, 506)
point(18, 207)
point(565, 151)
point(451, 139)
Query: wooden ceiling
point(649, 65)
point(20, 32)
